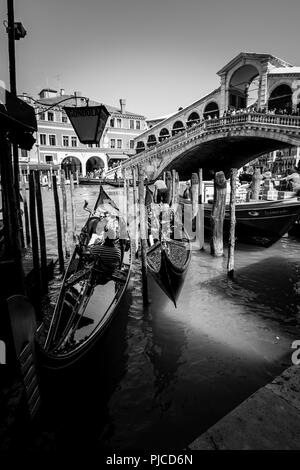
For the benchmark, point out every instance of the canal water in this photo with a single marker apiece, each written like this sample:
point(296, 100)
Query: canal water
point(163, 376)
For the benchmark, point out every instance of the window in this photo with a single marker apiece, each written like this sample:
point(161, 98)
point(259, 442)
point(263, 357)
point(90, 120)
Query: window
point(137, 124)
point(119, 143)
point(64, 118)
point(112, 122)
point(50, 116)
point(74, 141)
point(52, 139)
point(65, 140)
point(90, 146)
point(48, 159)
point(42, 117)
point(43, 139)
point(119, 123)
point(24, 153)
point(131, 144)
point(97, 145)
point(131, 124)
point(112, 143)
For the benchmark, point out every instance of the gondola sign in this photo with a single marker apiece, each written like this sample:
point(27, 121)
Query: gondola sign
point(88, 122)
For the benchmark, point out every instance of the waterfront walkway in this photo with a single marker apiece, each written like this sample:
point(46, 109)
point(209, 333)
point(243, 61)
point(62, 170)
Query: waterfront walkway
point(268, 420)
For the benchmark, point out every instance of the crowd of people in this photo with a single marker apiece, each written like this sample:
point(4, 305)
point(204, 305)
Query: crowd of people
point(289, 182)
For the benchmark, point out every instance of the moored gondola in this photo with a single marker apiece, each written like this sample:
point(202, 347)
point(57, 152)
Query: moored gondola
point(91, 294)
point(169, 256)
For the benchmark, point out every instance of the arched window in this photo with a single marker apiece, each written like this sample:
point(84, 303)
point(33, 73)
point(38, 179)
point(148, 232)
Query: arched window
point(281, 99)
point(193, 119)
point(211, 110)
point(164, 134)
point(177, 127)
point(94, 163)
point(71, 165)
point(140, 146)
point(151, 140)
point(243, 87)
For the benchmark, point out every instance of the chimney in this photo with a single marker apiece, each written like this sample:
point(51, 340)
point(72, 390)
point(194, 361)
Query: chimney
point(77, 93)
point(122, 105)
point(62, 92)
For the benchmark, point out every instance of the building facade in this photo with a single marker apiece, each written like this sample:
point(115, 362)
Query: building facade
point(57, 144)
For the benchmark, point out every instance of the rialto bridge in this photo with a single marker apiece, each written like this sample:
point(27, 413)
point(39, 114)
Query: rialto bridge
point(255, 110)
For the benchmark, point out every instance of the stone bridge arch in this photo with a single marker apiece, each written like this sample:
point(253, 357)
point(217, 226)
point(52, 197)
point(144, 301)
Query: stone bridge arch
point(223, 151)
point(239, 81)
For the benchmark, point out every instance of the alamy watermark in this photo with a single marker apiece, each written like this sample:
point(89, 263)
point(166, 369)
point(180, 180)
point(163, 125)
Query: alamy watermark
point(2, 352)
point(296, 354)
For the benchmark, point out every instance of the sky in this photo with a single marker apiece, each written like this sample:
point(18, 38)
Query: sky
point(157, 54)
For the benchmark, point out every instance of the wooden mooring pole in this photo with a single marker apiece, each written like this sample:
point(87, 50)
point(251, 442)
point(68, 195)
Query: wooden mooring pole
point(73, 208)
point(14, 281)
point(255, 184)
point(26, 214)
point(143, 237)
point(42, 236)
point(169, 184)
point(195, 202)
point(218, 214)
point(135, 222)
point(201, 211)
point(231, 246)
point(58, 226)
point(65, 212)
point(34, 233)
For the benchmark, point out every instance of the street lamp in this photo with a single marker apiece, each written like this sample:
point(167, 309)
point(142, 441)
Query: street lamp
point(88, 122)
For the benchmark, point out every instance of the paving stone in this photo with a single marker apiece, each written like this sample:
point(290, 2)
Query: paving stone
point(287, 386)
point(265, 421)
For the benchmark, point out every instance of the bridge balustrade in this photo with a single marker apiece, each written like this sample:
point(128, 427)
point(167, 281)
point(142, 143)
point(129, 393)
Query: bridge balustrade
point(227, 121)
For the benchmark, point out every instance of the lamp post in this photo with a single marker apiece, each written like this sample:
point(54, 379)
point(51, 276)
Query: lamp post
point(15, 32)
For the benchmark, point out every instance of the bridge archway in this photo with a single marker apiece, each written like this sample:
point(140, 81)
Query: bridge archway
point(164, 134)
point(151, 141)
point(177, 127)
point(211, 110)
point(94, 163)
point(140, 146)
point(241, 87)
point(281, 98)
point(193, 119)
point(71, 165)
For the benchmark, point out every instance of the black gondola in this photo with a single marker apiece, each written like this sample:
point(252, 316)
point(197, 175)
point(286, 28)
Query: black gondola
point(89, 298)
point(169, 257)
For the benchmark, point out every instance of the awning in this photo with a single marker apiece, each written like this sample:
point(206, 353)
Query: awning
point(117, 156)
point(15, 113)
